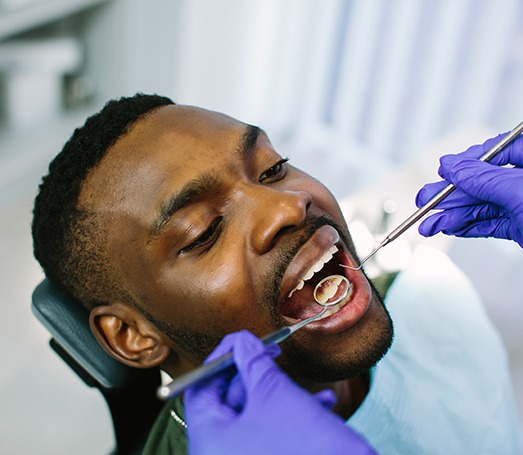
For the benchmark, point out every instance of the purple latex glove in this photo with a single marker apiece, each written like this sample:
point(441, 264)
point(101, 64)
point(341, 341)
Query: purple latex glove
point(260, 410)
point(489, 198)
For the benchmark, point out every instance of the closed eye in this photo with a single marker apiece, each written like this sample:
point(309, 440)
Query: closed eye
point(274, 173)
point(207, 239)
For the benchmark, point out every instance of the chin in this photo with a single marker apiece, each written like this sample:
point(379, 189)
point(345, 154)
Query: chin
point(355, 353)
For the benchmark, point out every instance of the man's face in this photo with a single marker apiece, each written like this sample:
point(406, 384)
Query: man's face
point(211, 230)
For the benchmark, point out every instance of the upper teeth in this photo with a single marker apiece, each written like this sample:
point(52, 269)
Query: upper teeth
point(317, 266)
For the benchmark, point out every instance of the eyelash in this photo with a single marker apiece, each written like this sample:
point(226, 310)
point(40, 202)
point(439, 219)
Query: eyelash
point(207, 239)
point(278, 170)
point(210, 235)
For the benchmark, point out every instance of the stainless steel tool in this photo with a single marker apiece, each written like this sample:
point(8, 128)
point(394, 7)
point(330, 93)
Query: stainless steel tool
point(422, 211)
point(179, 384)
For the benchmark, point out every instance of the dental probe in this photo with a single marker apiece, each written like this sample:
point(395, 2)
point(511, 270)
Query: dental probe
point(436, 199)
point(226, 361)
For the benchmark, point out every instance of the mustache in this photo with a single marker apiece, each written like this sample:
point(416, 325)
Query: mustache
point(288, 251)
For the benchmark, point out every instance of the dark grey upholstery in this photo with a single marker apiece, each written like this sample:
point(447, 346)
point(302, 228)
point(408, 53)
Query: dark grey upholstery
point(130, 393)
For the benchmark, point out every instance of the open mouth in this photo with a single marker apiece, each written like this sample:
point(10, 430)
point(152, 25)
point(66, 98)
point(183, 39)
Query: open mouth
point(300, 302)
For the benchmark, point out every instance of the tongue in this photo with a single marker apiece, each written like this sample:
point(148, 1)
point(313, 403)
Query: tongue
point(301, 305)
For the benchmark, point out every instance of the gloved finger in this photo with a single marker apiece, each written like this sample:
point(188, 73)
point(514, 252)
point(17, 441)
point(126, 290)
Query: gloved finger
point(204, 402)
point(433, 224)
point(480, 221)
point(428, 191)
point(327, 398)
point(236, 394)
point(222, 395)
point(247, 349)
point(226, 346)
point(228, 385)
point(456, 199)
point(228, 342)
point(257, 369)
point(464, 222)
point(478, 150)
point(511, 154)
point(212, 392)
point(448, 222)
point(486, 181)
point(498, 228)
point(273, 350)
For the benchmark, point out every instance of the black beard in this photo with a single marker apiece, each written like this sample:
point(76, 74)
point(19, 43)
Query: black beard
point(306, 367)
point(199, 344)
point(311, 368)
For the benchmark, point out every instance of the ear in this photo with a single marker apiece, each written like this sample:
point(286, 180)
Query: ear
point(128, 336)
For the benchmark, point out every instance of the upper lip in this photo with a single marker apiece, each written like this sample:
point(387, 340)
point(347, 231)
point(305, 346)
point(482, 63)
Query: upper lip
point(318, 245)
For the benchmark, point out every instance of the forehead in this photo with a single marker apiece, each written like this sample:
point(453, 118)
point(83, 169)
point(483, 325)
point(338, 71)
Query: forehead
point(166, 147)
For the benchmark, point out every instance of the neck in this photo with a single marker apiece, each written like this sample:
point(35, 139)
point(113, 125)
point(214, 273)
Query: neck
point(349, 394)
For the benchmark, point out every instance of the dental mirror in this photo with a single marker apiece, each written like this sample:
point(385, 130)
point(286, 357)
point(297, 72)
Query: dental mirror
point(328, 292)
point(331, 290)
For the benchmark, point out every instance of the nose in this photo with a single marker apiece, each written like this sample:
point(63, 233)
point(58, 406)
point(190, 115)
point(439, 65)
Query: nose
point(274, 213)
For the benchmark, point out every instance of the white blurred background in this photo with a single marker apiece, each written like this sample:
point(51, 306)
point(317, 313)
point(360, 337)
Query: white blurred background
point(363, 94)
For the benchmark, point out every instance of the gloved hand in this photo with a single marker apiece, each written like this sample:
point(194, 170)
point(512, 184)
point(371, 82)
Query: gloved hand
point(489, 198)
point(260, 410)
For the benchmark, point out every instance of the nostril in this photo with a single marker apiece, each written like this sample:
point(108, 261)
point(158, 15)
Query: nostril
point(308, 205)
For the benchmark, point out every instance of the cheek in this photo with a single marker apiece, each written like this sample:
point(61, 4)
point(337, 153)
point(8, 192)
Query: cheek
point(324, 199)
point(218, 298)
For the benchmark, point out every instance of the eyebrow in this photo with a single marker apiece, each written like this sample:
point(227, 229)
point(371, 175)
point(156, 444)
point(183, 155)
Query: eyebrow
point(201, 185)
point(248, 140)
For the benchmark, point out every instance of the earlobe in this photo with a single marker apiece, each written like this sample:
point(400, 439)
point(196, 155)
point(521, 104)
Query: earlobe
point(127, 336)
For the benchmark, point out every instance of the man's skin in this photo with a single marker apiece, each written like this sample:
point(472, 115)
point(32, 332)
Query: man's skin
point(209, 230)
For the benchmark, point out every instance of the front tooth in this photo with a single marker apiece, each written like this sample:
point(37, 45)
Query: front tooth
point(321, 299)
point(336, 280)
point(308, 275)
point(326, 257)
point(330, 292)
point(318, 266)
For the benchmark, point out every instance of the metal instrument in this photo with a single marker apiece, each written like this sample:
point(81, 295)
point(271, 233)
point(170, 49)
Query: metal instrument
point(422, 211)
point(179, 384)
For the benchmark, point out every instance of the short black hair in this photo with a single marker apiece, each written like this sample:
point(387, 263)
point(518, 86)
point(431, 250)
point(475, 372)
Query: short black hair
point(66, 239)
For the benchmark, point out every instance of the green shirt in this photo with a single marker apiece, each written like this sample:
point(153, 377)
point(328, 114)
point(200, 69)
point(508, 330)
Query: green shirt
point(168, 436)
